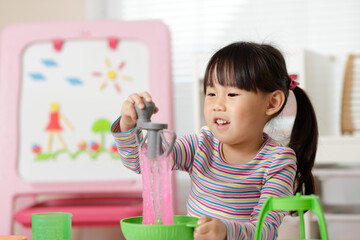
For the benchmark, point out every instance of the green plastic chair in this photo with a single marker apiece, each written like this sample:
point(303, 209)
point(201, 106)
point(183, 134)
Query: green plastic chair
point(297, 203)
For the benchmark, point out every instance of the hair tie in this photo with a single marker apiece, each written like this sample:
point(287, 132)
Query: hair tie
point(293, 83)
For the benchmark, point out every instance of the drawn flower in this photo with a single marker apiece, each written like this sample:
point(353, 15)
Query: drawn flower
point(94, 146)
point(82, 145)
point(114, 148)
point(36, 149)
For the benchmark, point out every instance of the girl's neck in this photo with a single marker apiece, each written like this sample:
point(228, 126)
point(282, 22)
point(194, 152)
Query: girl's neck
point(241, 153)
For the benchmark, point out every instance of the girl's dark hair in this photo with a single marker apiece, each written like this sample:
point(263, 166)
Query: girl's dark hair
point(261, 67)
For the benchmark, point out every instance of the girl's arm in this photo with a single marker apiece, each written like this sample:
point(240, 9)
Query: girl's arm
point(123, 130)
point(182, 155)
point(184, 152)
point(126, 146)
point(279, 183)
point(66, 121)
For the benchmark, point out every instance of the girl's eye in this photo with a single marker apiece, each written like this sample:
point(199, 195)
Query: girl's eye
point(233, 94)
point(210, 94)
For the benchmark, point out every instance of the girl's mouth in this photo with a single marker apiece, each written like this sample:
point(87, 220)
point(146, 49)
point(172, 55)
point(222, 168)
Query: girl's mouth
point(221, 122)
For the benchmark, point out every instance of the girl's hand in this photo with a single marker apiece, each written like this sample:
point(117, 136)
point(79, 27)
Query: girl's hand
point(128, 113)
point(210, 229)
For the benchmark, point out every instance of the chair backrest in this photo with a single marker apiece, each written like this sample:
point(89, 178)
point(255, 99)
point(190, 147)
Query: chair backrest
point(61, 86)
point(350, 111)
point(297, 203)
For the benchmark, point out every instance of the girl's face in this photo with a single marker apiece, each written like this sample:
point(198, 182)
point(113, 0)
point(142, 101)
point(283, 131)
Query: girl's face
point(234, 115)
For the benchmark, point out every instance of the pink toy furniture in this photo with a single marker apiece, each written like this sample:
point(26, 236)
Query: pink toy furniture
point(95, 195)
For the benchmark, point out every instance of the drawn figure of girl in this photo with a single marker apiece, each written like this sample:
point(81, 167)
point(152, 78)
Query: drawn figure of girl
point(54, 126)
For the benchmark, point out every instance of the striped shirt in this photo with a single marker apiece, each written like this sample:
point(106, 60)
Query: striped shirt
point(230, 192)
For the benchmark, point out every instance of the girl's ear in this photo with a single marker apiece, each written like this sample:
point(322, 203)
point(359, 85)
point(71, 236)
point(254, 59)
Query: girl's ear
point(275, 102)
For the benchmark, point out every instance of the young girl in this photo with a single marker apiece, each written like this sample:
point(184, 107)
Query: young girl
point(234, 166)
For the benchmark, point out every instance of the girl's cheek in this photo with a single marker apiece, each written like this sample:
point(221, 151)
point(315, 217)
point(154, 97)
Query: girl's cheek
point(206, 114)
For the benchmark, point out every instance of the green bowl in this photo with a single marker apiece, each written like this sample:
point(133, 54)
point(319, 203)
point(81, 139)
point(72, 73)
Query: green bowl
point(182, 229)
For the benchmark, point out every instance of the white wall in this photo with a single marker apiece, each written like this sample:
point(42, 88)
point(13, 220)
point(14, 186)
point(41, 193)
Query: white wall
point(329, 29)
point(20, 11)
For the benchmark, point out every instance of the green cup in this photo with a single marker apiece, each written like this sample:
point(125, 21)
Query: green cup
point(182, 229)
point(51, 226)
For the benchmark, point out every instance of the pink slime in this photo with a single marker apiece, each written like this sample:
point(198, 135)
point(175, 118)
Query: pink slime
point(157, 197)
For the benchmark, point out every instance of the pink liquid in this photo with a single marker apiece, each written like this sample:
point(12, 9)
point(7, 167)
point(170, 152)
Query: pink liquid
point(165, 173)
point(157, 197)
point(148, 204)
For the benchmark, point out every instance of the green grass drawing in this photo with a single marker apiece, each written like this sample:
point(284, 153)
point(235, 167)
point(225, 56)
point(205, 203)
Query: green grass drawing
point(102, 127)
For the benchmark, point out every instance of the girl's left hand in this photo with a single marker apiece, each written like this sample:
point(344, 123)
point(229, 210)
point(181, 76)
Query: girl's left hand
point(210, 229)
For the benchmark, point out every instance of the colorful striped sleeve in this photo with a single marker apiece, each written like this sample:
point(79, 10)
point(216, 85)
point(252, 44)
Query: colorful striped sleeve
point(278, 183)
point(184, 152)
point(126, 146)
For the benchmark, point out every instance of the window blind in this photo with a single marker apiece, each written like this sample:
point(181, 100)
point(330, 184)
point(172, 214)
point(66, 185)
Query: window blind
point(202, 26)
point(196, 26)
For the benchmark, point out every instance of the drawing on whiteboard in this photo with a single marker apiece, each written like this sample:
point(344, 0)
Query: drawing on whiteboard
point(48, 62)
point(74, 81)
point(54, 126)
point(100, 126)
point(112, 75)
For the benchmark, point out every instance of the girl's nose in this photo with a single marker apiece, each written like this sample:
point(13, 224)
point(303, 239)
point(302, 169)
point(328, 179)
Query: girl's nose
point(218, 107)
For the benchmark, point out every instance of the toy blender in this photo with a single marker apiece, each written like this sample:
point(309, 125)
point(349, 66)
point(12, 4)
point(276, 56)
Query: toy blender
point(157, 221)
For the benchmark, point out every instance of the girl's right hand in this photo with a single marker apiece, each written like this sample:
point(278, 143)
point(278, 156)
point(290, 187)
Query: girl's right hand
point(128, 113)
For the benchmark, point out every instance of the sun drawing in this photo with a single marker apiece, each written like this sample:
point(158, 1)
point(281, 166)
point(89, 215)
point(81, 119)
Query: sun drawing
point(112, 75)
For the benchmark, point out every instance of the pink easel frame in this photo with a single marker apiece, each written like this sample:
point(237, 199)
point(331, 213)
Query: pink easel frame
point(14, 40)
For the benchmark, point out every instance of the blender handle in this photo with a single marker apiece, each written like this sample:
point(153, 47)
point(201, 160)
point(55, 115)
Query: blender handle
point(168, 147)
point(137, 137)
point(145, 114)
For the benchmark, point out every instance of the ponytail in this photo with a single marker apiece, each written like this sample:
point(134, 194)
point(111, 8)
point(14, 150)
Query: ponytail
point(303, 140)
